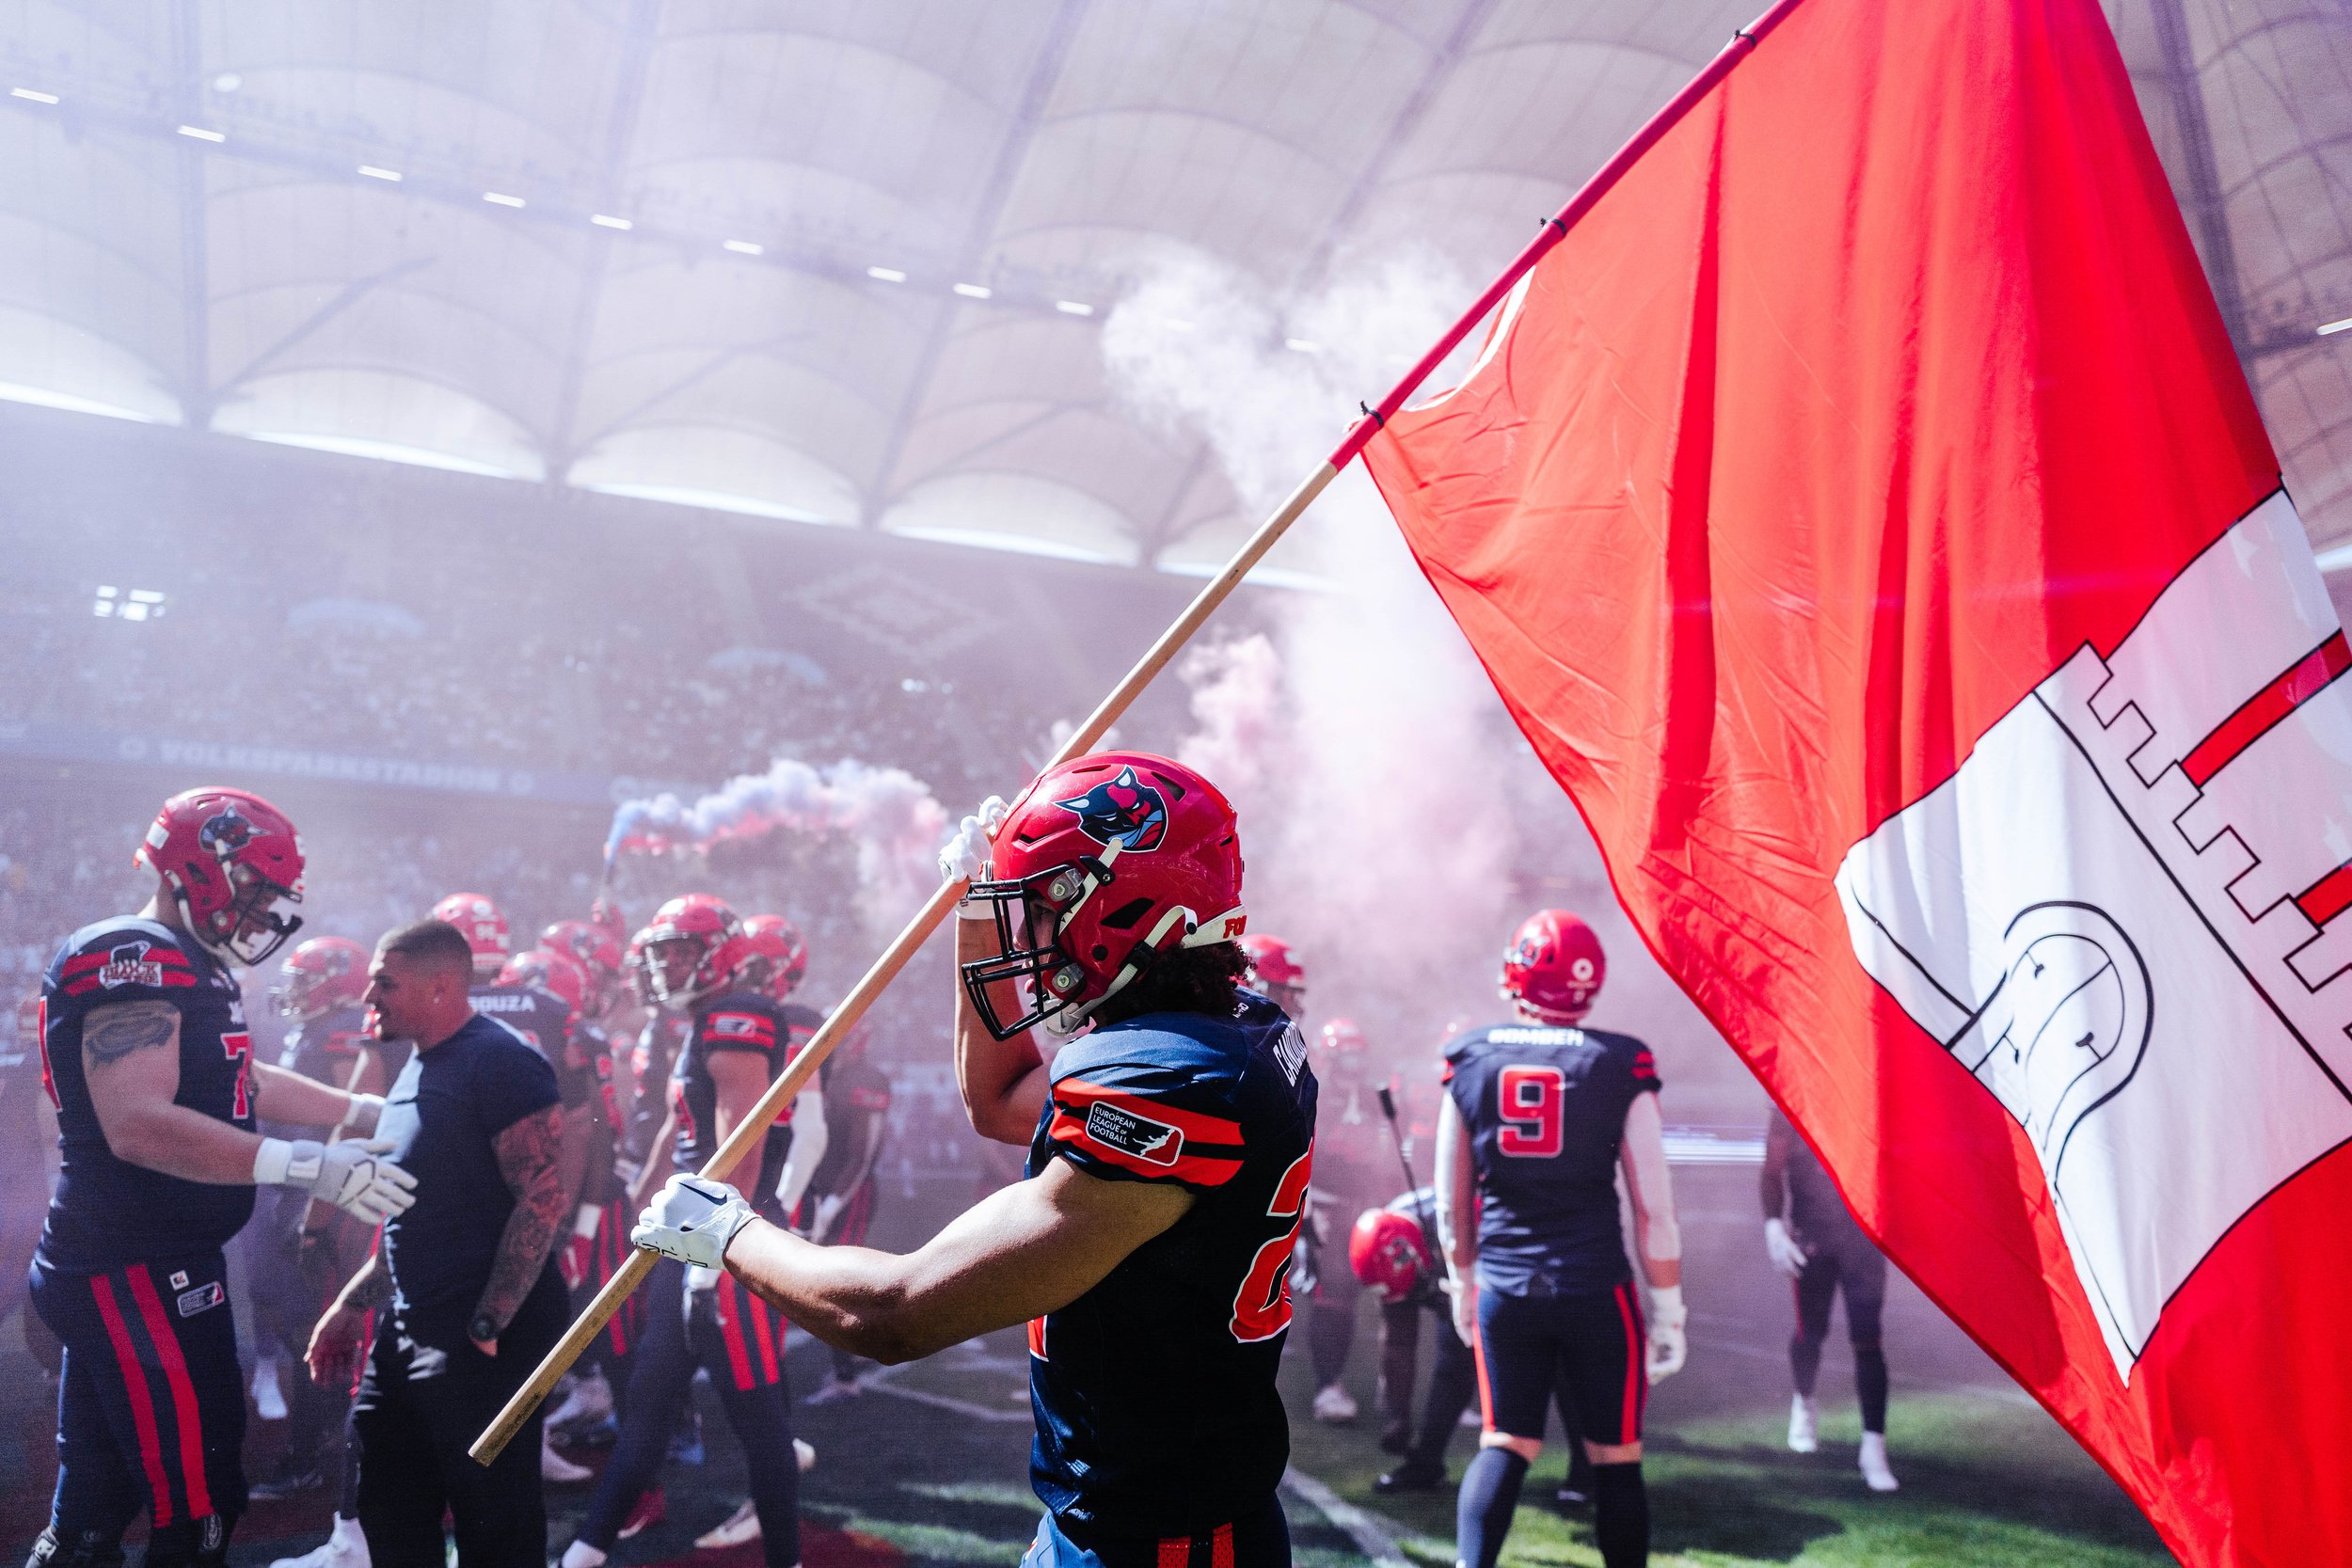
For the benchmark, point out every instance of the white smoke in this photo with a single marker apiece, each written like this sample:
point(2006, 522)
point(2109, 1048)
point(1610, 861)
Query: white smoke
point(888, 813)
point(1396, 825)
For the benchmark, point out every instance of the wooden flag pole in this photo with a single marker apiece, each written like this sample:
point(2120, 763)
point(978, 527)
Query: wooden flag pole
point(753, 1127)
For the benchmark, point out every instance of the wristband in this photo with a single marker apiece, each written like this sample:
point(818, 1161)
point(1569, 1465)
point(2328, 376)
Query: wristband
point(1666, 1304)
point(359, 1102)
point(283, 1163)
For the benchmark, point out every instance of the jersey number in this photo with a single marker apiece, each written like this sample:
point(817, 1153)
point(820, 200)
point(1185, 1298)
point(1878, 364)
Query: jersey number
point(1261, 1308)
point(1529, 1104)
point(238, 1047)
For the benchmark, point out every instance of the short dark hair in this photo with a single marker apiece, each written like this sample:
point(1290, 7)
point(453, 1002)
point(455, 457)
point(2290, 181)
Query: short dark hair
point(433, 943)
point(1182, 981)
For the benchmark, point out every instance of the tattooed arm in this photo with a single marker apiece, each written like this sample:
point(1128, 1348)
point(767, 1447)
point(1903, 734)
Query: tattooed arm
point(131, 1060)
point(333, 1354)
point(529, 1156)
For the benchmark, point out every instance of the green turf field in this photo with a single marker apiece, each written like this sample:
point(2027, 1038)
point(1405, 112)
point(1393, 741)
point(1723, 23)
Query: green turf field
point(1988, 1481)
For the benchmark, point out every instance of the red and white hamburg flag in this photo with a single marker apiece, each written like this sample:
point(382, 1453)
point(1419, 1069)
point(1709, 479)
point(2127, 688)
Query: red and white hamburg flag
point(1864, 515)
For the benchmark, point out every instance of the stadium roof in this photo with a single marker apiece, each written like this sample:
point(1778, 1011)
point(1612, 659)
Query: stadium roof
point(849, 260)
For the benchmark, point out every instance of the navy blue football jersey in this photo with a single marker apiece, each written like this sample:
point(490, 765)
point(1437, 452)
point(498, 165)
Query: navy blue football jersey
point(1545, 1108)
point(1153, 1392)
point(544, 1019)
point(108, 1212)
point(741, 1021)
point(323, 1050)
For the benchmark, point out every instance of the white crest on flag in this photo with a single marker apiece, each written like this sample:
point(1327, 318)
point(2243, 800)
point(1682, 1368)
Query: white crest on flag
point(2126, 959)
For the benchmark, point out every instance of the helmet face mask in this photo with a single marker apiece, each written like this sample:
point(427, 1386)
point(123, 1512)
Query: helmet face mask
point(693, 949)
point(1029, 916)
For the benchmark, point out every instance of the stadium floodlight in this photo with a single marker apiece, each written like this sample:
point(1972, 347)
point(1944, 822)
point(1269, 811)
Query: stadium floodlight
point(745, 247)
point(1300, 346)
point(35, 96)
point(1071, 307)
point(886, 275)
point(139, 604)
point(374, 173)
point(974, 290)
point(500, 198)
point(202, 134)
point(606, 220)
point(2331, 328)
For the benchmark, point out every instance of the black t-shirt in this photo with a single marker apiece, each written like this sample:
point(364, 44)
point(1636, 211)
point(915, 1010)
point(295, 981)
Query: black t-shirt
point(1545, 1108)
point(1154, 1391)
point(444, 1115)
point(108, 1212)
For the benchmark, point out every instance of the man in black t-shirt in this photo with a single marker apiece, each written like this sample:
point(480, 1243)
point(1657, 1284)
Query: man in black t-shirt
point(463, 1295)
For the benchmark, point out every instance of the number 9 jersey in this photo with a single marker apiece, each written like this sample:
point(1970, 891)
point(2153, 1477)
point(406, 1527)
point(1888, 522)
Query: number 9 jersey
point(1545, 1110)
point(1154, 1391)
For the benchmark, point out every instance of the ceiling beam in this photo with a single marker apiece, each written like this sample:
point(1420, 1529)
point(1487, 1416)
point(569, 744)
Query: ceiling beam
point(196, 289)
point(1045, 71)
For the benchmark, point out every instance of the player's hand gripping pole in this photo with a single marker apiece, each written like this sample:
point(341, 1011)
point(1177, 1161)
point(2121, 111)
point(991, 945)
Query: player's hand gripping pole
point(753, 1127)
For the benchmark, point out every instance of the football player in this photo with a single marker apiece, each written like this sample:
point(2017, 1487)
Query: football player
point(296, 1257)
point(1811, 1237)
point(702, 1317)
point(157, 1098)
point(1391, 1252)
point(1539, 1118)
point(1349, 1166)
point(1170, 1146)
point(1275, 973)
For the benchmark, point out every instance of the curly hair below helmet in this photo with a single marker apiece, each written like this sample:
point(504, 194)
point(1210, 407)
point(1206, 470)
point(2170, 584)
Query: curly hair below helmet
point(1182, 981)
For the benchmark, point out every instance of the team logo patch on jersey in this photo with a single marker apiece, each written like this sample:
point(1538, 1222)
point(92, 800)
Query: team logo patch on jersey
point(128, 965)
point(202, 1299)
point(1154, 1143)
point(1124, 808)
point(178, 1279)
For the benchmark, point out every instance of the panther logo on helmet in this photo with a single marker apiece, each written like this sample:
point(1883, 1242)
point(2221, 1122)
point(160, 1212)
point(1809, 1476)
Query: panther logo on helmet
point(1125, 809)
point(225, 833)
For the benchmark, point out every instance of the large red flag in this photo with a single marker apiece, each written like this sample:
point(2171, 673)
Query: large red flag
point(1863, 512)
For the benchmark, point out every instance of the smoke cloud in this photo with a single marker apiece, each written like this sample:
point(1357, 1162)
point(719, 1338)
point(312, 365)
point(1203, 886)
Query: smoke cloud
point(888, 813)
point(1396, 825)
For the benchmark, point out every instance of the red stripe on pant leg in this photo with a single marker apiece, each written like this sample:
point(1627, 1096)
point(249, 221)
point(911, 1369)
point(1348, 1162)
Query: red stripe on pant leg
point(1221, 1548)
point(731, 1330)
point(763, 1334)
point(1478, 1359)
point(142, 1404)
point(1636, 1371)
point(183, 1388)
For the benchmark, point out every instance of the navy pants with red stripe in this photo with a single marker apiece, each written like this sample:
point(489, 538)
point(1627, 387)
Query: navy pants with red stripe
point(1258, 1538)
point(151, 1408)
point(739, 1339)
point(1588, 1345)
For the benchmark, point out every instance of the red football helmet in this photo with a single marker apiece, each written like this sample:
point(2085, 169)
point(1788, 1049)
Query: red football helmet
point(693, 948)
point(322, 975)
point(1554, 967)
point(483, 926)
point(556, 972)
point(228, 859)
point(1104, 864)
point(1388, 1253)
point(594, 951)
point(1275, 971)
point(778, 957)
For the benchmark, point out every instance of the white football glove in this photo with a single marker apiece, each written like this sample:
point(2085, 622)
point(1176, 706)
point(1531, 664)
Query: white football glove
point(1788, 1256)
point(692, 1220)
point(965, 857)
point(353, 1175)
point(1668, 1346)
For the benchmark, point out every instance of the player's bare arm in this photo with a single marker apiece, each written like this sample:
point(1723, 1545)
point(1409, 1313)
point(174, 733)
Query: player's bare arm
point(1027, 1249)
point(529, 1157)
point(308, 1102)
point(130, 1059)
point(1457, 1215)
point(1002, 1082)
point(333, 1353)
point(1642, 1156)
